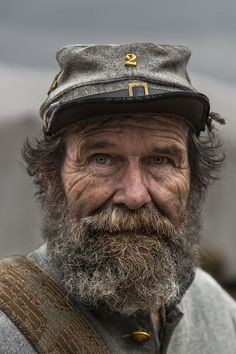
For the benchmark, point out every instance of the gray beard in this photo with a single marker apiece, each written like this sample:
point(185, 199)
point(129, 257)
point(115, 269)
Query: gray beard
point(129, 261)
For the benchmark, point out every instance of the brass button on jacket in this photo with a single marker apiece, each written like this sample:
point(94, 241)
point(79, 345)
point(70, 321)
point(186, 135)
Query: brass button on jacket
point(140, 336)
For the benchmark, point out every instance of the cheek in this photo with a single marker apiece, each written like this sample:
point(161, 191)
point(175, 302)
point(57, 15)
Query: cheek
point(170, 194)
point(91, 198)
point(85, 192)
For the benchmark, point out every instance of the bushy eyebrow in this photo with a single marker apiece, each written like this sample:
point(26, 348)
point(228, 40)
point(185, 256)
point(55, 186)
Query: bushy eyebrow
point(172, 150)
point(95, 145)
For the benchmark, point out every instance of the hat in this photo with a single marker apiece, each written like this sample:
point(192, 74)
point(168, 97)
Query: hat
point(98, 80)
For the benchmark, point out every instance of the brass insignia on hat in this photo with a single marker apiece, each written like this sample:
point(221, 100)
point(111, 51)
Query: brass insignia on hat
point(45, 126)
point(140, 85)
point(54, 83)
point(131, 60)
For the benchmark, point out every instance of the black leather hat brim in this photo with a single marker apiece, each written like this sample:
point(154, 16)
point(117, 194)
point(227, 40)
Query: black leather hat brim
point(191, 106)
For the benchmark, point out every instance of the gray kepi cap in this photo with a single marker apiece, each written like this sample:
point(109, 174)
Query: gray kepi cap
point(97, 80)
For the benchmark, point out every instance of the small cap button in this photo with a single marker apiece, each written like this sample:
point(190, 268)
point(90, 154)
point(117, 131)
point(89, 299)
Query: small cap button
point(140, 336)
point(45, 126)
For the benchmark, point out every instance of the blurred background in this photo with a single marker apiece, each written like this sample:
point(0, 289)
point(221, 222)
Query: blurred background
point(30, 33)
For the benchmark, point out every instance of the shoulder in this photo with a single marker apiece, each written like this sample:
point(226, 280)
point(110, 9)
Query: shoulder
point(209, 292)
point(209, 318)
point(208, 324)
point(12, 341)
point(206, 302)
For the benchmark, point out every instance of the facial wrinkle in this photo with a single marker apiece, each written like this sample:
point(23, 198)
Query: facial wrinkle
point(124, 122)
point(137, 118)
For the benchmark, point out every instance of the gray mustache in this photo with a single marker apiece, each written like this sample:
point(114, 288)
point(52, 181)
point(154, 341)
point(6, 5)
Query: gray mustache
point(114, 220)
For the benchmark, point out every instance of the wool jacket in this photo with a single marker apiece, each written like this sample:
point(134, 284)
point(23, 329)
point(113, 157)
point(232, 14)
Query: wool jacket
point(203, 323)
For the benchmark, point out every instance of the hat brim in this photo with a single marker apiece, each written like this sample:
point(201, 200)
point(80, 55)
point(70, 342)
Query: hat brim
point(190, 106)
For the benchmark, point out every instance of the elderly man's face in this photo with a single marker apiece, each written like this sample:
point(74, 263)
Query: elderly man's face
point(129, 163)
point(119, 230)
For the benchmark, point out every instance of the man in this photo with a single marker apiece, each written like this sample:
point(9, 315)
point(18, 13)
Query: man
point(122, 170)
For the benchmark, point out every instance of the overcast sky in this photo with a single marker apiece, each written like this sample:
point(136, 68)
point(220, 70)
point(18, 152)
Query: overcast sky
point(32, 30)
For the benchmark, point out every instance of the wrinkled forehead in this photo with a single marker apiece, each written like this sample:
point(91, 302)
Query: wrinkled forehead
point(142, 121)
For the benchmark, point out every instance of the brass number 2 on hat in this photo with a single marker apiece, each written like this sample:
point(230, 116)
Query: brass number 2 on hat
point(130, 60)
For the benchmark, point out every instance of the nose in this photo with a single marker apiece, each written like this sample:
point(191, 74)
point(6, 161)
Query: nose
point(131, 190)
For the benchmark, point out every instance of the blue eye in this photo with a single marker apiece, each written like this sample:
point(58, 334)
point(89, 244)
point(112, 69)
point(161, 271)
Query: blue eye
point(159, 160)
point(100, 159)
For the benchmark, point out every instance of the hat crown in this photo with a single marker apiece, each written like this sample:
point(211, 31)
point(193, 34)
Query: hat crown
point(93, 64)
point(89, 71)
point(106, 62)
